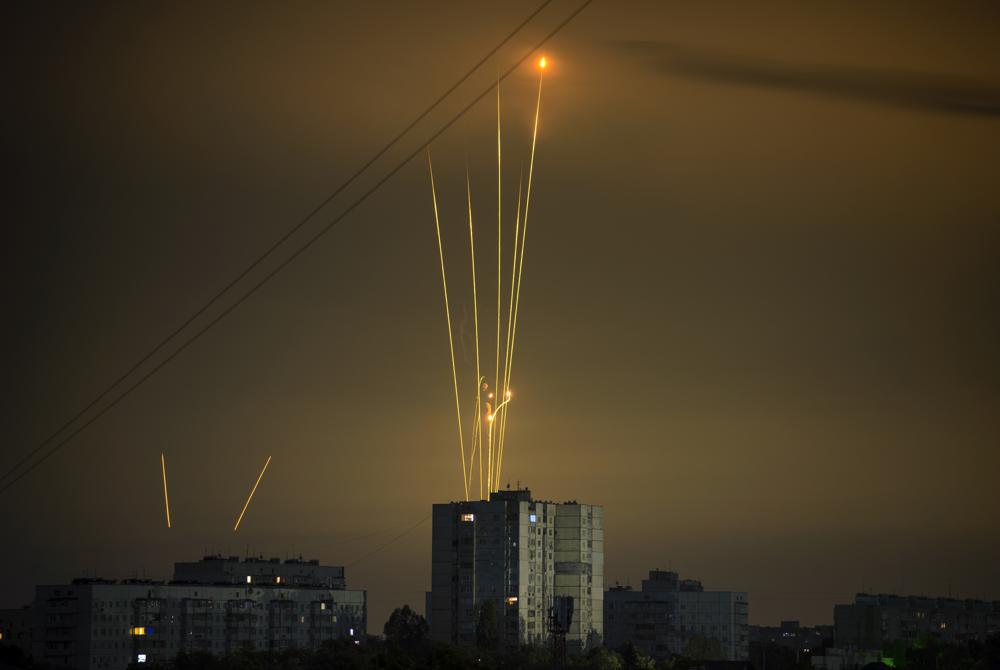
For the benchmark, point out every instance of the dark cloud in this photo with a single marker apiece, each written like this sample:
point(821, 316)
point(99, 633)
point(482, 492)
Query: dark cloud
point(915, 90)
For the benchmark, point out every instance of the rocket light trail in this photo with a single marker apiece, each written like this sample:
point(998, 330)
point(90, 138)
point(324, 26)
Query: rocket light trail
point(166, 498)
point(496, 373)
point(524, 232)
point(476, 433)
point(252, 491)
point(451, 339)
point(475, 312)
point(510, 312)
point(494, 420)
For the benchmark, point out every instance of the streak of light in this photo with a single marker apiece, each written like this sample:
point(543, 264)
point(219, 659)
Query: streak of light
point(451, 339)
point(476, 427)
point(252, 491)
point(166, 498)
point(510, 312)
point(475, 312)
point(524, 231)
point(494, 420)
point(496, 372)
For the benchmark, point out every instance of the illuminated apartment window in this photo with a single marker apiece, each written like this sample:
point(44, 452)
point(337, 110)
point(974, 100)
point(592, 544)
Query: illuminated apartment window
point(137, 630)
point(249, 579)
point(512, 600)
point(277, 580)
point(468, 517)
point(322, 606)
point(533, 518)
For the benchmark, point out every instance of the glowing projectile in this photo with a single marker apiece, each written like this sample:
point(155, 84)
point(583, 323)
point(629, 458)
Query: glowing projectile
point(166, 498)
point(451, 339)
point(542, 63)
point(252, 491)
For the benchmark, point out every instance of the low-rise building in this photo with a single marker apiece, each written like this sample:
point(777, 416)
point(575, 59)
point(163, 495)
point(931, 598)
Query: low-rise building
point(791, 635)
point(222, 605)
point(873, 620)
point(668, 613)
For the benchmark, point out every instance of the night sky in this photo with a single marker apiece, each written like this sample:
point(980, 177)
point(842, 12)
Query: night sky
point(759, 321)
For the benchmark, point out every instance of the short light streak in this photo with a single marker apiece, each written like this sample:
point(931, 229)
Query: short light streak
point(166, 498)
point(477, 426)
point(475, 312)
point(495, 484)
point(252, 491)
point(524, 232)
point(451, 339)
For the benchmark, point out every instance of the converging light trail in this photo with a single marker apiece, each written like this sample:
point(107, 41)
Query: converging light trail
point(166, 498)
point(510, 311)
point(524, 236)
point(475, 312)
point(496, 372)
point(252, 491)
point(451, 339)
point(491, 419)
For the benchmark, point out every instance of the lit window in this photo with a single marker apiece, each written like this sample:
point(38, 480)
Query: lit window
point(137, 631)
point(140, 658)
point(533, 518)
point(350, 631)
point(322, 606)
point(249, 579)
point(512, 600)
point(468, 517)
point(943, 625)
point(277, 580)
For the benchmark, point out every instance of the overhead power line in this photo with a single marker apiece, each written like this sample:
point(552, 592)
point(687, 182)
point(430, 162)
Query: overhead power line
point(277, 244)
point(316, 237)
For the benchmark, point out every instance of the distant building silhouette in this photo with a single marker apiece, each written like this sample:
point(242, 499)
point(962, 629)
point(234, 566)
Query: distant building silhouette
point(791, 635)
point(872, 620)
point(17, 627)
point(668, 613)
point(517, 556)
point(216, 605)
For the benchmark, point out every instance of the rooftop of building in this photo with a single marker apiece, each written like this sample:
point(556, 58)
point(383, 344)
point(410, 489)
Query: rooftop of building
point(928, 602)
point(217, 558)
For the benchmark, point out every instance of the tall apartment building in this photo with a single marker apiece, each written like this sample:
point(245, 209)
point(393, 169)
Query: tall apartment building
point(872, 620)
point(523, 557)
point(662, 618)
point(218, 605)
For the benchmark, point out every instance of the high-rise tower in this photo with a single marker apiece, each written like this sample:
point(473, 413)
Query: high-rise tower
point(518, 557)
